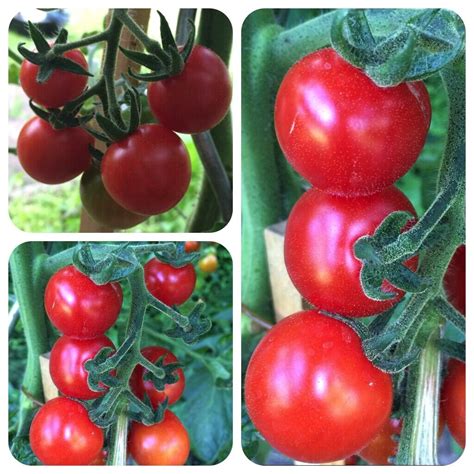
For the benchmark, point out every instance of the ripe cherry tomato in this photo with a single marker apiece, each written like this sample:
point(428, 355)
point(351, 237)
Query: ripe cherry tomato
point(162, 444)
point(140, 387)
point(66, 365)
point(191, 246)
point(100, 460)
point(147, 172)
point(62, 434)
point(455, 280)
point(195, 100)
point(170, 284)
point(60, 88)
point(101, 207)
point(342, 132)
point(311, 391)
point(320, 235)
point(209, 263)
point(453, 400)
point(78, 307)
point(383, 446)
point(53, 156)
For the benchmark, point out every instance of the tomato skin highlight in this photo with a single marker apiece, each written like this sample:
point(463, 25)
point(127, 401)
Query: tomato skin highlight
point(453, 400)
point(60, 88)
point(78, 307)
point(66, 365)
point(53, 156)
point(319, 239)
point(309, 384)
point(455, 280)
point(162, 444)
point(198, 98)
point(342, 132)
point(140, 386)
point(148, 172)
point(171, 285)
point(101, 207)
point(61, 433)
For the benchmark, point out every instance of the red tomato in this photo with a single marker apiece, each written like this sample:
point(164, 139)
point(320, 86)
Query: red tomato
point(140, 387)
point(453, 400)
point(162, 444)
point(66, 365)
point(191, 246)
point(171, 285)
point(209, 263)
point(383, 445)
point(455, 280)
point(78, 307)
point(62, 434)
point(100, 460)
point(342, 132)
point(320, 235)
point(53, 156)
point(195, 100)
point(60, 88)
point(147, 172)
point(311, 391)
point(101, 207)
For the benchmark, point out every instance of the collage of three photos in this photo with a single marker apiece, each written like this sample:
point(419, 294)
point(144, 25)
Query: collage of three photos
point(352, 308)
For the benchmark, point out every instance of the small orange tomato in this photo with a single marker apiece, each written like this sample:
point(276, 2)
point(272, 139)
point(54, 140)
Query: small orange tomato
point(209, 263)
point(191, 246)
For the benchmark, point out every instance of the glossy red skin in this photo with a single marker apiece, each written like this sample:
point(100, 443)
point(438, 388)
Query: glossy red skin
point(342, 132)
point(382, 447)
point(311, 391)
point(53, 156)
point(320, 235)
point(66, 365)
point(453, 400)
point(171, 285)
point(140, 387)
point(198, 98)
point(191, 246)
point(60, 88)
point(162, 444)
point(455, 280)
point(62, 434)
point(147, 172)
point(101, 207)
point(78, 307)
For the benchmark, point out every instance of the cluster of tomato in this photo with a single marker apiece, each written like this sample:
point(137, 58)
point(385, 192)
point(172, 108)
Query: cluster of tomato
point(310, 390)
point(147, 172)
point(61, 432)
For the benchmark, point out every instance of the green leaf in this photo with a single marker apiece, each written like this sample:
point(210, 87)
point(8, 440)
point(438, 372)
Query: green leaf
point(207, 415)
point(13, 73)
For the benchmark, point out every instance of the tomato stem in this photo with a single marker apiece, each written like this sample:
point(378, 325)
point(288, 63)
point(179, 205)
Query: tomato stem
point(118, 439)
point(418, 443)
point(29, 284)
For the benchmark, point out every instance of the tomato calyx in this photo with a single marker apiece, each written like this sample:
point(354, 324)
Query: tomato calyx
point(62, 118)
point(404, 54)
point(165, 60)
point(47, 57)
